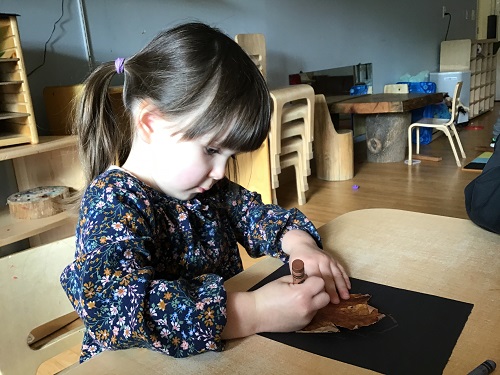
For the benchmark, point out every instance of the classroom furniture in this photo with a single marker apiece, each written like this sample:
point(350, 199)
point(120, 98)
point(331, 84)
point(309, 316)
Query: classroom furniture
point(33, 306)
point(255, 46)
point(387, 119)
point(396, 88)
point(479, 57)
point(444, 125)
point(254, 172)
point(442, 256)
point(291, 135)
point(17, 120)
point(333, 149)
point(53, 161)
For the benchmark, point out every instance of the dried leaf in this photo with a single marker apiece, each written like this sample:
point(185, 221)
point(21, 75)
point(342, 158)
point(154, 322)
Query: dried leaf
point(351, 314)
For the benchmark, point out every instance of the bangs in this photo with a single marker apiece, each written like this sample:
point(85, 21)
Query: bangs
point(239, 121)
point(245, 128)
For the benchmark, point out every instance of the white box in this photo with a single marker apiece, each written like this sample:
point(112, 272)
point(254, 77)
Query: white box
point(446, 82)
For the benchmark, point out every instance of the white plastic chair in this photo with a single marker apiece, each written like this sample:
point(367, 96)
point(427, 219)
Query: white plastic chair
point(444, 125)
point(32, 302)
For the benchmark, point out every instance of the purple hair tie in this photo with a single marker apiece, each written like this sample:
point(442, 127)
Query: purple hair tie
point(119, 65)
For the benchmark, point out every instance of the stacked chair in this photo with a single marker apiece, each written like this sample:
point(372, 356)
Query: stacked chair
point(255, 46)
point(291, 135)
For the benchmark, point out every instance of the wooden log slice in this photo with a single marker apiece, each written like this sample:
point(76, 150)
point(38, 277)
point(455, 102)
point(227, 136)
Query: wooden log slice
point(37, 203)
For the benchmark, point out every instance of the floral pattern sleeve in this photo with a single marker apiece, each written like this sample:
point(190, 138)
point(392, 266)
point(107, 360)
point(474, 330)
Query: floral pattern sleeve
point(260, 227)
point(121, 283)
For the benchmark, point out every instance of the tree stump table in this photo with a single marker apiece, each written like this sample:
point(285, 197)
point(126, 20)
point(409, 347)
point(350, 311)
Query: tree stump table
point(387, 119)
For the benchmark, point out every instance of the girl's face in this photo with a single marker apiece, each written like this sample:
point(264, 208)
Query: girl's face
point(182, 169)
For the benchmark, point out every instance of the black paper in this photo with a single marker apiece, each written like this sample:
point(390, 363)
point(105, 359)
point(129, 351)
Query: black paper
point(417, 336)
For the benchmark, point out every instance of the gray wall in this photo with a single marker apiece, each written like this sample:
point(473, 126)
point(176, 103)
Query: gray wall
point(396, 36)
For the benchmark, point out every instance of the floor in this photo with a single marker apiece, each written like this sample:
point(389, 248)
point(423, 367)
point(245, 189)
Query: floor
point(429, 187)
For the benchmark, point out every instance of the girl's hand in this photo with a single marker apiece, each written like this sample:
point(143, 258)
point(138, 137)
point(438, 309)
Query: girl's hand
point(300, 245)
point(279, 306)
point(282, 306)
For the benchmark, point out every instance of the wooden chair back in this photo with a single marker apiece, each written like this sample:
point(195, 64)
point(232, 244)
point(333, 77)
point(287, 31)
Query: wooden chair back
point(33, 306)
point(255, 46)
point(456, 101)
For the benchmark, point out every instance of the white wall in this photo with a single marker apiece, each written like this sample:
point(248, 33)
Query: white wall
point(396, 36)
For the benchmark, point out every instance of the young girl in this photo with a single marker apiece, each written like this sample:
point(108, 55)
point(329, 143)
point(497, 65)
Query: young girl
point(157, 236)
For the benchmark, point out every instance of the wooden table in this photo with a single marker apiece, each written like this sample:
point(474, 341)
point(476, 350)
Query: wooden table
point(443, 256)
point(387, 120)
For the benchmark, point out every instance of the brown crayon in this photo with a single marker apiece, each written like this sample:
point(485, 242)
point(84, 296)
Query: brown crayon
point(298, 273)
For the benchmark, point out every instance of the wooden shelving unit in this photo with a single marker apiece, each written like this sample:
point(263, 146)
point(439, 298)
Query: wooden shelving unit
point(478, 57)
point(53, 161)
point(17, 120)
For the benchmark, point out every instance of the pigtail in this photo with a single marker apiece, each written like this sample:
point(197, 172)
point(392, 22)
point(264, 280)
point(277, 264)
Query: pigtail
point(100, 141)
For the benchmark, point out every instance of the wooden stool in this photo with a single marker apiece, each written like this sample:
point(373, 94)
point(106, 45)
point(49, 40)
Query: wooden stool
point(333, 151)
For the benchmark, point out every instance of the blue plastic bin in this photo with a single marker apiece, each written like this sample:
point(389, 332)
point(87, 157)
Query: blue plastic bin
point(359, 90)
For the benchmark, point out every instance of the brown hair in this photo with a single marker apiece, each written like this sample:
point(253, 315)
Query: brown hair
point(190, 70)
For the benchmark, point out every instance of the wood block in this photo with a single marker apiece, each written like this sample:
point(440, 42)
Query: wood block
point(427, 157)
point(37, 203)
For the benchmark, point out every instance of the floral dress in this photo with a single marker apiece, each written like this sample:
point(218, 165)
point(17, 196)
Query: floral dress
point(149, 269)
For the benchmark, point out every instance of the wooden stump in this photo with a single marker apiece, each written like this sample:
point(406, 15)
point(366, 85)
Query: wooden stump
point(386, 136)
point(37, 203)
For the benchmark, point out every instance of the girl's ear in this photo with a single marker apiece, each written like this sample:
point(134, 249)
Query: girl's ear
point(146, 119)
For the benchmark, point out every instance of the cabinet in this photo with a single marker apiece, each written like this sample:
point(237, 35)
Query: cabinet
point(53, 161)
point(17, 120)
point(477, 56)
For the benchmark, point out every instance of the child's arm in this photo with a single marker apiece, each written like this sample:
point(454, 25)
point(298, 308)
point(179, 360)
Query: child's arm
point(272, 230)
point(124, 285)
point(279, 306)
point(299, 244)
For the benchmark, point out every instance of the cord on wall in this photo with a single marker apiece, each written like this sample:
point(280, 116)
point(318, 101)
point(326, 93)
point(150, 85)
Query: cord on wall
point(48, 40)
point(448, 28)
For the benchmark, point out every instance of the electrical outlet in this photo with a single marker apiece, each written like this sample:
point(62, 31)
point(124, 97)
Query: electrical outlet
point(444, 11)
point(466, 14)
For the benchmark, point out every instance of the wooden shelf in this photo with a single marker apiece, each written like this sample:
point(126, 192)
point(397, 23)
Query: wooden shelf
point(476, 56)
point(3, 60)
point(46, 143)
point(17, 120)
point(53, 161)
point(7, 83)
point(10, 115)
point(13, 230)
